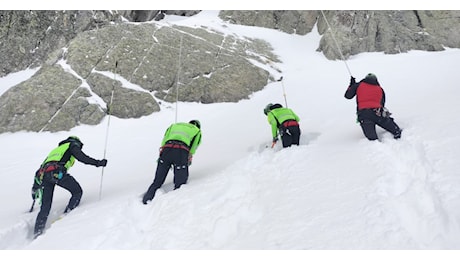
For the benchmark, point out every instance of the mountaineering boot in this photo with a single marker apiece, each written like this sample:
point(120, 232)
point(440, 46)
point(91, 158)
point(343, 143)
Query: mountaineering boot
point(398, 134)
point(38, 233)
point(39, 227)
point(147, 197)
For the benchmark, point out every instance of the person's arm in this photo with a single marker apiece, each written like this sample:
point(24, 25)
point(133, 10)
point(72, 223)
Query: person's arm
point(273, 123)
point(82, 157)
point(297, 118)
point(195, 143)
point(351, 90)
point(382, 102)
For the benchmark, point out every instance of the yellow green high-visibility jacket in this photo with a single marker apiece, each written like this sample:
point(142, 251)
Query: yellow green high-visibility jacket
point(67, 152)
point(277, 116)
point(184, 132)
point(58, 153)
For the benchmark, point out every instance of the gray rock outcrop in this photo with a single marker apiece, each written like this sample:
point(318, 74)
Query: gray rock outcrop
point(206, 66)
point(289, 21)
point(156, 15)
point(28, 37)
point(85, 56)
point(388, 31)
point(31, 104)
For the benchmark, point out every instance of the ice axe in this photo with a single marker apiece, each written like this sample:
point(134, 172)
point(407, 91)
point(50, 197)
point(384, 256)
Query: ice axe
point(32, 207)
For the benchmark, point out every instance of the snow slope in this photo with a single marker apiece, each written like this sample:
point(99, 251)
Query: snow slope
point(335, 191)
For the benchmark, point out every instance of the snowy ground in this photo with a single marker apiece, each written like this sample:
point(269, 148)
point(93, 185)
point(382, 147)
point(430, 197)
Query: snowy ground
point(335, 191)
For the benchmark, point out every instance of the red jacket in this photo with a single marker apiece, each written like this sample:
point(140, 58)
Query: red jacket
point(368, 94)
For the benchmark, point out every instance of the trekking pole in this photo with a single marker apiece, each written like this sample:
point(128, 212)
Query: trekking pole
point(335, 41)
point(284, 91)
point(109, 108)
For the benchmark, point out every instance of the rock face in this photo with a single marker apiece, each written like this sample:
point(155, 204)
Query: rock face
point(356, 32)
point(390, 32)
point(289, 21)
point(31, 104)
point(94, 63)
point(149, 15)
point(28, 37)
point(140, 64)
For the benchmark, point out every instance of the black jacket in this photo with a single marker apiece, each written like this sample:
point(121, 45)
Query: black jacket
point(75, 151)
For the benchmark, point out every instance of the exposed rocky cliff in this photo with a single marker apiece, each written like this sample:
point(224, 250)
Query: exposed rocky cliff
point(75, 84)
point(28, 37)
point(361, 31)
point(85, 56)
point(156, 15)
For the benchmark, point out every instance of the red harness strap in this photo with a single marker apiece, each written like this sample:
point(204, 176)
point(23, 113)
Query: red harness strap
point(290, 123)
point(178, 146)
point(51, 167)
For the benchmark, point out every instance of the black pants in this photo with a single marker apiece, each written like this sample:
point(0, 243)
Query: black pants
point(67, 182)
point(368, 119)
point(175, 157)
point(290, 135)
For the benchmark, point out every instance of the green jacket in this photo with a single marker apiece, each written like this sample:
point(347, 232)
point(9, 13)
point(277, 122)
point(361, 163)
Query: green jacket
point(277, 116)
point(184, 132)
point(57, 153)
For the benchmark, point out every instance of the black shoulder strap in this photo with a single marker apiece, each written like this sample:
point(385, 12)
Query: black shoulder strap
point(66, 155)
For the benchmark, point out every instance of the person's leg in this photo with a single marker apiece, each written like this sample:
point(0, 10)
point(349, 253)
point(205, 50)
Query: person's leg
point(286, 137)
point(164, 164)
point(368, 127)
point(180, 168)
point(69, 183)
point(295, 132)
point(367, 119)
point(389, 125)
point(42, 217)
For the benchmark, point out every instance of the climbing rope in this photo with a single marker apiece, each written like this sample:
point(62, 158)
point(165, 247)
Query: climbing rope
point(336, 43)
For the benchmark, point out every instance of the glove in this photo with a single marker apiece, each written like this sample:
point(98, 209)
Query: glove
point(190, 157)
point(34, 192)
point(102, 163)
point(35, 187)
point(352, 80)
